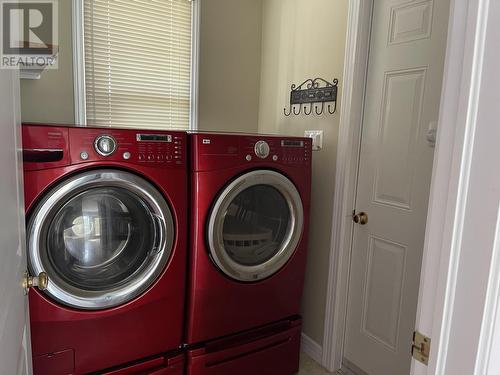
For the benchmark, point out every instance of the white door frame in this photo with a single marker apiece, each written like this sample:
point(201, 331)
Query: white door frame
point(351, 116)
point(450, 176)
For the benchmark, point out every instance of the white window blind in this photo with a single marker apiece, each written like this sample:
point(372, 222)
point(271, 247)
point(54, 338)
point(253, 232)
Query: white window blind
point(138, 63)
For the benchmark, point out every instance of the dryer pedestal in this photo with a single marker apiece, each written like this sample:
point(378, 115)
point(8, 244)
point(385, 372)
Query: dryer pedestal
point(172, 364)
point(270, 350)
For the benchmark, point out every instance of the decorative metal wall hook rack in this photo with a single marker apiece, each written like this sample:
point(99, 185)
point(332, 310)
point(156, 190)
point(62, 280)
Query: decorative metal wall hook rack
point(313, 93)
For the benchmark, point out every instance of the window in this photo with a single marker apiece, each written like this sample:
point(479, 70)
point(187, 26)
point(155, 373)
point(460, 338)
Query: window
point(136, 58)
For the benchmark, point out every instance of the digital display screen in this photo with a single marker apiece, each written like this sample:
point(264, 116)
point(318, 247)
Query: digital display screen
point(290, 143)
point(154, 138)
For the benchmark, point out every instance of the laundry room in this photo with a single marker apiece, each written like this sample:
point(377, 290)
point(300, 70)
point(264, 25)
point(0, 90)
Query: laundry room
point(219, 187)
point(249, 53)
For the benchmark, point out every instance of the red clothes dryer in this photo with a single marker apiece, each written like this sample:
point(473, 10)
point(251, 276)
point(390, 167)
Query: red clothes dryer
point(106, 221)
point(250, 208)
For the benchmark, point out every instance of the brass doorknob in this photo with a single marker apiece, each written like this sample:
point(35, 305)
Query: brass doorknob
point(41, 281)
point(361, 218)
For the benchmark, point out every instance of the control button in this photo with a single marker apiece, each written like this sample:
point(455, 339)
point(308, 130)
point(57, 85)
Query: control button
point(248, 157)
point(84, 155)
point(126, 155)
point(275, 157)
point(150, 157)
point(262, 149)
point(159, 157)
point(141, 157)
point(105, 145)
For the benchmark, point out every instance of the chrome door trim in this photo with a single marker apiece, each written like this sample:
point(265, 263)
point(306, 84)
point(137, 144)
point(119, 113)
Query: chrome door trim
point(43, 149)
point(46, 209)
point(224, 262)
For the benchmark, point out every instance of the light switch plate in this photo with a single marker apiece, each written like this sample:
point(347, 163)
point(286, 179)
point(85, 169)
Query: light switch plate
point(317, 138)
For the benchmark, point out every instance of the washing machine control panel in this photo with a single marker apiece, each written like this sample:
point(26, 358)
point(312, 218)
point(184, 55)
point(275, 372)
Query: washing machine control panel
point(160, 148)
point(147, 148)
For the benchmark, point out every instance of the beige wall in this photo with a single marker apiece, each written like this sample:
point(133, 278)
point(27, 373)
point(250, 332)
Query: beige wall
point(50, 99)
point(306, 39)
point(229, 77)
point(229, 68)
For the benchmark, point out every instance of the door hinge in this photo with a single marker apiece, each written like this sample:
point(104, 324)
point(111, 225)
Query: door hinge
point(421, 347)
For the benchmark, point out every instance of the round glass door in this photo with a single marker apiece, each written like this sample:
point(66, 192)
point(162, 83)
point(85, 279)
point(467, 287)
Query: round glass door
point(255, 225)
point(103, 237)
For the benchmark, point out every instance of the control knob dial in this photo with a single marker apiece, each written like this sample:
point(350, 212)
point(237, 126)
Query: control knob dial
point(105, 145)
point(262, 149)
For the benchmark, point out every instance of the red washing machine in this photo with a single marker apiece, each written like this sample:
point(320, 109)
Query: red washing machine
point(106, 221)
point(250, 209)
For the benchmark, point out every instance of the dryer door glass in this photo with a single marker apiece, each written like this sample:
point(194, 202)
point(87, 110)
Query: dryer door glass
point(103, 237)
point(255, 225)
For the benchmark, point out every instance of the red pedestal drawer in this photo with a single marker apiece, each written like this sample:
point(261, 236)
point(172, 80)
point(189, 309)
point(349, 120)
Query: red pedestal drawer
point(271, 350)
point(173, 365)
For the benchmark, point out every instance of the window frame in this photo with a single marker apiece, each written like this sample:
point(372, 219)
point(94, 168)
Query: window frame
point(79, 63)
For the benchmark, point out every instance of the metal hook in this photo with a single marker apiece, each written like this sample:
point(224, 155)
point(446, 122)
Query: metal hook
point(334, 108)
point(322, 108)
point(289, 112)
point(310, 109)
point(296, 113)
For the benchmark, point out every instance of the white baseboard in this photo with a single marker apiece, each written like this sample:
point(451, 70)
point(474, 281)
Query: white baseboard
point(311, 348)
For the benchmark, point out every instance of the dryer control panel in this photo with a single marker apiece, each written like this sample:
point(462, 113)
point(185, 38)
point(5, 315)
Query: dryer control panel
point(290, 151)
point(215, 151)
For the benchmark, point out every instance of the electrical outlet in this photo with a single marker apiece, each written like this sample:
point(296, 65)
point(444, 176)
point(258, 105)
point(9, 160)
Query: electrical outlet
point(317, 138)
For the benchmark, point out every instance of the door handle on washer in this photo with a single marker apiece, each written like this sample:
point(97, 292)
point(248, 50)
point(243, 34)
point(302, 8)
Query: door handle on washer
point(41, 281)
point(159, 224)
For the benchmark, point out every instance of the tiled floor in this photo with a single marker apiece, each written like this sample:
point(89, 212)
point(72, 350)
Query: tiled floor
point(310, 367)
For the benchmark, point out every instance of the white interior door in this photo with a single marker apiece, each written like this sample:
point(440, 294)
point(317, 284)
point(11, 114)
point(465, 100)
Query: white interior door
point(407, 48)
point(15, 355)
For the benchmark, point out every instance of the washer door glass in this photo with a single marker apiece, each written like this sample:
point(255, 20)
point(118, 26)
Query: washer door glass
point(93, 239)
point(255, 225)
point(102, 237)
